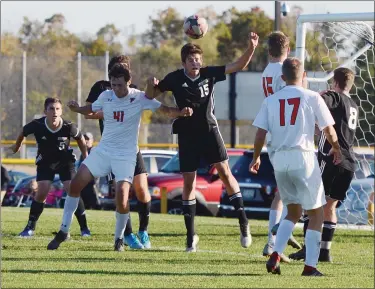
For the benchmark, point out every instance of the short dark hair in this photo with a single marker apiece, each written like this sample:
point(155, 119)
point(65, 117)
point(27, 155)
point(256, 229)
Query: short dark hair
point(278, 44)
point(189, 49)
point(344, 77)
point(119, 59)
point(292, 68)
point(50, 100)
point(120, 70)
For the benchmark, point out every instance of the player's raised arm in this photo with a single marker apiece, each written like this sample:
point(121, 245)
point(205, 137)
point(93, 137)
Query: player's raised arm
point(78, 136)
point(14, 148)
point(94, 115)
point(174, 112)
point(244, 60)
point(74, 106)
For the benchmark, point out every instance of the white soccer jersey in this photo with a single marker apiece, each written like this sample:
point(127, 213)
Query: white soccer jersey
point(122, 118)
point(271, 78)
point(290, 116)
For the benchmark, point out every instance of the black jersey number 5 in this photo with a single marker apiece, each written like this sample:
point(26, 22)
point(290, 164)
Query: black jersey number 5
point(204, 90)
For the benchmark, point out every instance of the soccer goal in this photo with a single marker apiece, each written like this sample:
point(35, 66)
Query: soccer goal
point(325, 42)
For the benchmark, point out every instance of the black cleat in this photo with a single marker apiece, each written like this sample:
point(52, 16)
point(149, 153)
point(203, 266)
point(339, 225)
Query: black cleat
point(273, 264)
point(313, 272)
point(59, 238)
point(299, 255)
point(119, 245)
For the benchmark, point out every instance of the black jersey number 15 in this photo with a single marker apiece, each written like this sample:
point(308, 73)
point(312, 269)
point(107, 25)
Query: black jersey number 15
point(204, 90)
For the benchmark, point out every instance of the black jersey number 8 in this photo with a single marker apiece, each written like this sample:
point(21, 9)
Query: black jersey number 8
point(204, 90)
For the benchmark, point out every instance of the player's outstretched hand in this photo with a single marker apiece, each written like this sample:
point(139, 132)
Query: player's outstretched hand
point(13, 148)
point(152, 81)
point(254, 38)
point(254, 166)
point(186, 111)
point(73, 105)
point(336, 153)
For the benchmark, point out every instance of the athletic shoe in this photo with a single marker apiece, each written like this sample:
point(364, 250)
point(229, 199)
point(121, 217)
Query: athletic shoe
point(245, 236)
point(273, 264)
point(133, 242)
point(144, 239)
point(310, 271)
point(299, 255)
point(85, 233)
point(119, 245)
point(26, 233)
point(194, 244)
point(59, 238)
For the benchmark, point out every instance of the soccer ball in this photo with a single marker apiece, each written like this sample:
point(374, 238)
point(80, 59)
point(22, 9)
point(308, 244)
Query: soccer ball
point(195, 27)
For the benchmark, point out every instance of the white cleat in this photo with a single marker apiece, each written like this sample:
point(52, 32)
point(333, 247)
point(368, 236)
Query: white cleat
point(193, 248)
point(245, 236)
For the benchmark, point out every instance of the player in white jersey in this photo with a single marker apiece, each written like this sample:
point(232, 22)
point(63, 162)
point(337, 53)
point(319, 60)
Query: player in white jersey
point(122, 108)
point(278, 50)
point(290, 116)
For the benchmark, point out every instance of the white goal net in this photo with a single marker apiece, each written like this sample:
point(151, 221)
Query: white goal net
point(325, 42)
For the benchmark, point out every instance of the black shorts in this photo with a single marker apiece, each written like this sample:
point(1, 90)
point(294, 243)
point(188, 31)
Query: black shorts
point(336, 180)
point(46, 173)
point(207, 147)
point(140, 167)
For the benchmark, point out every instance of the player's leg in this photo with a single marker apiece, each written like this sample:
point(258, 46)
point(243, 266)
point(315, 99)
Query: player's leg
point(340, 185)
point(274, 218)
point(124, 172)
point(215, 153)
point(189, 155)
point(97, 164)
point(44, 178)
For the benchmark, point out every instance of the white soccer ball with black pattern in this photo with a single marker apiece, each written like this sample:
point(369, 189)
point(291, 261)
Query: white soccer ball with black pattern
point(195, 27)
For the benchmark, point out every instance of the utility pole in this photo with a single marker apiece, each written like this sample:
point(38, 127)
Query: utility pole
point(277, 25)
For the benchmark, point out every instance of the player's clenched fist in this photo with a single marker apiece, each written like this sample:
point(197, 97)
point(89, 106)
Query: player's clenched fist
point(254, 39)
point(73, 105)
point(186, 111)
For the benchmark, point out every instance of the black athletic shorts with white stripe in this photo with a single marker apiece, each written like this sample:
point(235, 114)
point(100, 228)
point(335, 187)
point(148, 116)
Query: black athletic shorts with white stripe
point(336, 179)
point(194, 149)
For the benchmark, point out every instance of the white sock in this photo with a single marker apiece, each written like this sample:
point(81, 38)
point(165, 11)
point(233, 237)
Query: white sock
point(274, 218)
point(70, 207)
point(283, 234)
point(121, 220)
point(284, 213)
point(312, 242)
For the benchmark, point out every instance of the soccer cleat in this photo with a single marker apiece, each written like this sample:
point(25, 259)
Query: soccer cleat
point(194, 244)
point(26, 233)
point(119, 245)
point(324, 256)
point(144, 239)
point(299, 255)
point(59, 238)
point(85, 233)
point(273, 264)
point(311, 271)
point(133, 242)
point(294, 243)
point(245, 236)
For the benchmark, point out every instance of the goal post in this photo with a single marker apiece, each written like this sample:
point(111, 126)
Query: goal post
point(325, 42)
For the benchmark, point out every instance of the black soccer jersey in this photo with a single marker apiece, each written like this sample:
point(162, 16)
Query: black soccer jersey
point(53, 146)
point(344, 111)
point(96, 90)
point(196, 93)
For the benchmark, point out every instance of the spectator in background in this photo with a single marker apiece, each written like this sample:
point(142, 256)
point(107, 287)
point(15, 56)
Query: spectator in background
point(4, 182)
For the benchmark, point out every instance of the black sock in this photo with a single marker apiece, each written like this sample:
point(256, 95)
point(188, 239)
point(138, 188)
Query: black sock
point(305, 225)
point(144, 215)
point(128, 228)
point(237, 202)
point(327, 235)
point(189, 208)
point(36, 210)
point(80, 214)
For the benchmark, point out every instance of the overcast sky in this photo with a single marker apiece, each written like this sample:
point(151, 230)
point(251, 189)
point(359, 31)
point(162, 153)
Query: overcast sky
point(88, 17)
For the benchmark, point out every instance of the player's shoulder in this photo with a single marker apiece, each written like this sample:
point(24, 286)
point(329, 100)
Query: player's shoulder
point(101, 85)
point(67, 123)
point(176, 74)
point(274, 68)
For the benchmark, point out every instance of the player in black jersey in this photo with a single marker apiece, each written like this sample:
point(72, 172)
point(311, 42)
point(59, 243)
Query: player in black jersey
point(336, 178)
point(54, 156)
point(199, 136)
point(140, 183)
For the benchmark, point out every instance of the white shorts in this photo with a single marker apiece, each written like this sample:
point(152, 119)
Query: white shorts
point(101, 163)
point(298, 178)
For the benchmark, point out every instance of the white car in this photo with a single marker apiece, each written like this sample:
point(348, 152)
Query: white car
point(156, 159)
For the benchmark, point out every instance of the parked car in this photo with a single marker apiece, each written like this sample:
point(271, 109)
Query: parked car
point(208, 186)
point(258, 190)
point(154, 160)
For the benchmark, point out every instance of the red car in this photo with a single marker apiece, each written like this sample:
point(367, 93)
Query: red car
point(208, 187)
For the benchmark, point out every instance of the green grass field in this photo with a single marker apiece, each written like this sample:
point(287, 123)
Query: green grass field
point(220, 262)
